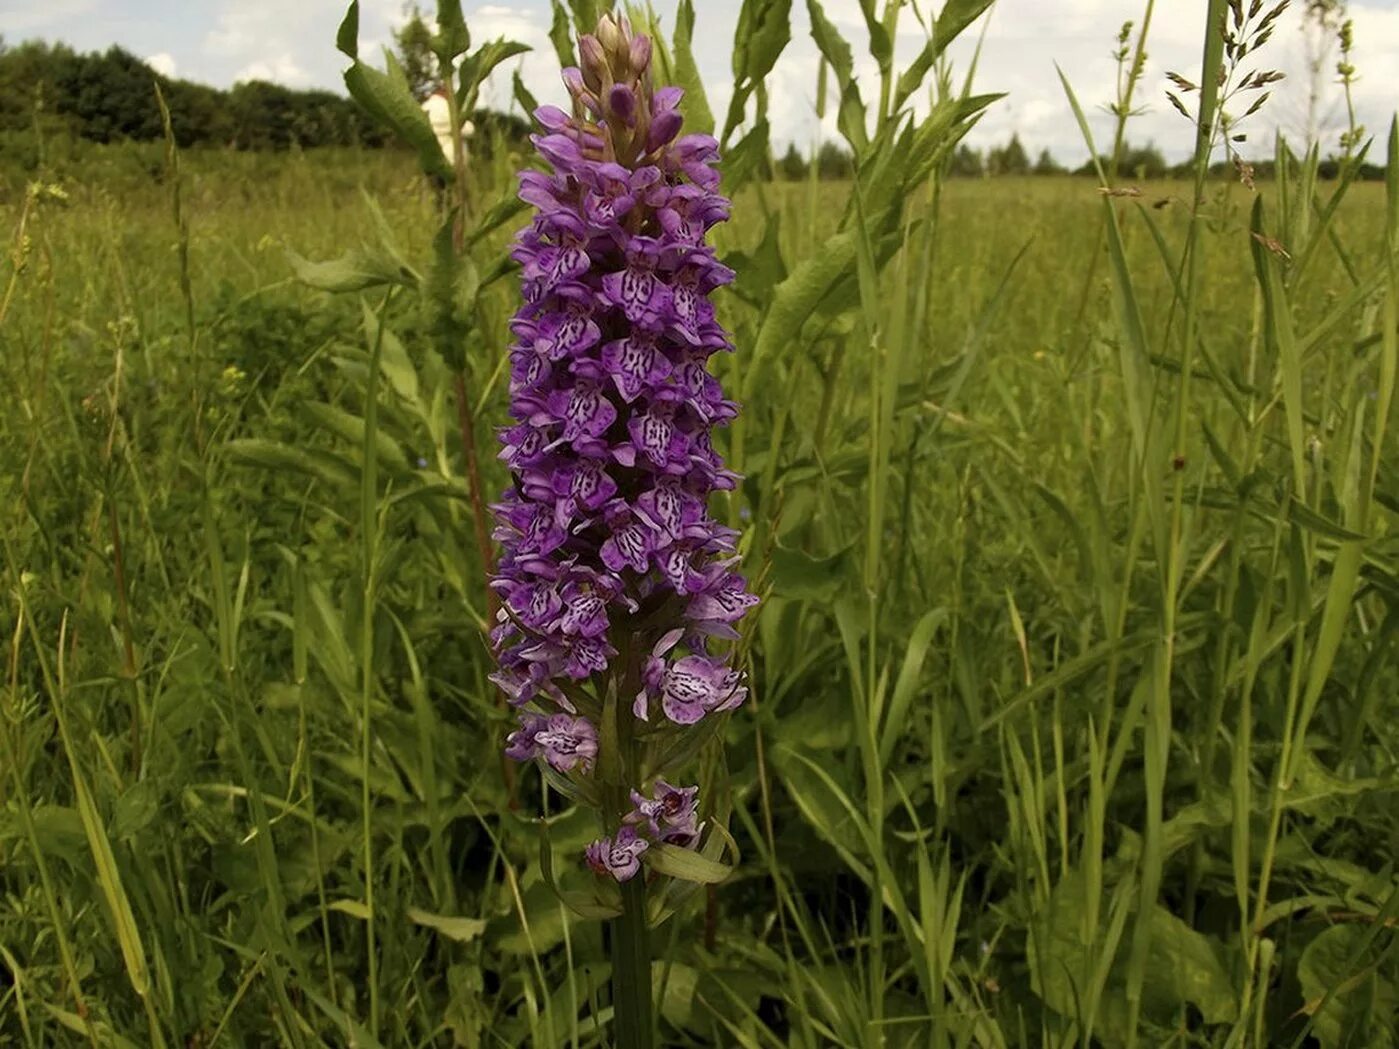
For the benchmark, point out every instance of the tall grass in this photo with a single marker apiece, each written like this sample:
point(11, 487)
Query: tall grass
point(1074, 685)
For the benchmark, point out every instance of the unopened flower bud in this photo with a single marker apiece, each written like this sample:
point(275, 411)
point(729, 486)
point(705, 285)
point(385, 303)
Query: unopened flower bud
point(621, 103)
point(640, 55)
point(611, 35)
point(594, 61)
point(573, 80)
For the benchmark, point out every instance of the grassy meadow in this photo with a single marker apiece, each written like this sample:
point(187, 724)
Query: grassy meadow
point(1073, 718)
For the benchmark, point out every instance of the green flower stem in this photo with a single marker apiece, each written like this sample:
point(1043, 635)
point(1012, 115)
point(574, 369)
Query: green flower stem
point(631, 969)
point(631, 951)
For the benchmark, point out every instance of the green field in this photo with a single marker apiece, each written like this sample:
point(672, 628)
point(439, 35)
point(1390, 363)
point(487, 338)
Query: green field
point(1073, 718)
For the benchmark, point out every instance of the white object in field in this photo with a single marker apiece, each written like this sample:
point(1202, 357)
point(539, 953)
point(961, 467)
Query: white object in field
point(439, 115)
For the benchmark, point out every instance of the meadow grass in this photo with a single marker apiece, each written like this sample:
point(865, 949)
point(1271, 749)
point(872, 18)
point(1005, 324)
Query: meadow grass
point(1073, 719)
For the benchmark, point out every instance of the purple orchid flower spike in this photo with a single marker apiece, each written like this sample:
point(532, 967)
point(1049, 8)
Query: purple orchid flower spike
point(618, 591)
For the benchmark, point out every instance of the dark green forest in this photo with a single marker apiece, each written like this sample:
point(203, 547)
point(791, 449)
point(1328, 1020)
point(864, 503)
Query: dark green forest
point(49, 89)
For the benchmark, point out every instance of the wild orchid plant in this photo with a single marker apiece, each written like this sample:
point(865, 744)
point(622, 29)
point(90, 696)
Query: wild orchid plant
point(618, 589)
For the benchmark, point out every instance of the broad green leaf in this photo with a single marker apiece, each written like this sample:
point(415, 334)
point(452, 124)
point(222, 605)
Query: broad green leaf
point(385, 96)
point(798, 575)
point(686, 864)
point(350, 428)
point(793, 301)
point(353, 271)
point(1349, 1001)
point(678, 999)
point(135, 809)
point(460, 929)
point(1184, 965)
point(452, 37)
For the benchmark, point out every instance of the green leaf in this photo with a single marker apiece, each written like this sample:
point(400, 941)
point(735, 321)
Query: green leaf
point(813, 281)
point(452, 37)
point(385, 96)
point(1309, 519)
point(478, 68)
point(1350, 1004)
point(460, 929)
point(499, 213)
point(324, 466)
point(135, 809)
point(685, 864)
point(353, 271)
point(1185, 967)
point(698, 116)
point(955, 16)
point(523, 98)
point(831, 44)
point(771, 32)
point(347, 36)
point(910, 673)
point(746, 160)
point(798, 575)
point(354, 908)
point(561, 35)
point(851, 115)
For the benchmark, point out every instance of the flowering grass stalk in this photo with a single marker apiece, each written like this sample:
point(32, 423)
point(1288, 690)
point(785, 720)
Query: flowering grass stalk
point(619, 595)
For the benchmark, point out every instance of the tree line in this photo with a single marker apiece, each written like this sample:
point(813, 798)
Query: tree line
point(833, 161)
point(1139, 162)
point(109, 96)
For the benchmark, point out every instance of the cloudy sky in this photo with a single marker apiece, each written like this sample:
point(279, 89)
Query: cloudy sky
point(292, 42)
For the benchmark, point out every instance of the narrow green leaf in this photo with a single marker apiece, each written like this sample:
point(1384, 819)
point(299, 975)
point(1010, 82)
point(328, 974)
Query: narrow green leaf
point(698, 116)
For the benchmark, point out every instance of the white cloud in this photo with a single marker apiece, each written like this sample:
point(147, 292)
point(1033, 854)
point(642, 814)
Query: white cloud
point(288, 42)
point(281, 69)
point(19, 17)
point(163, 63)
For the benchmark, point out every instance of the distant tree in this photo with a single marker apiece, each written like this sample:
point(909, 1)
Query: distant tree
point(966, 163)
point(834, 162)
point(413, 42)
point(1143, 162)
point(792, 166)
point(1010, 159)
point(111, 95)
point(1047, 165)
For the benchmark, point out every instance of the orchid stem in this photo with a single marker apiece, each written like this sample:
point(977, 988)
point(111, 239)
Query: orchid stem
point(631, 969)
